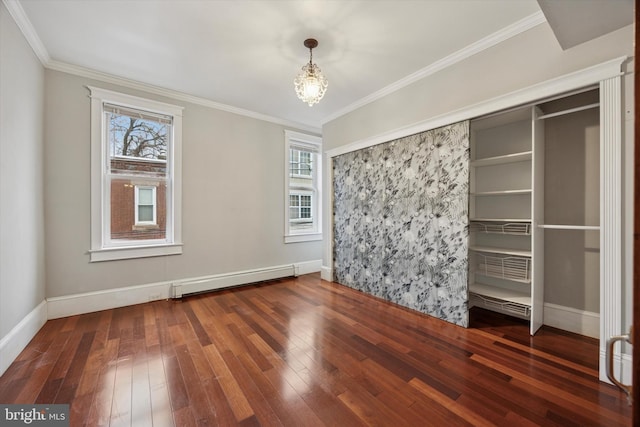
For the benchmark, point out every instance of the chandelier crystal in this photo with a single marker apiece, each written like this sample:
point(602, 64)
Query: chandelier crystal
point(310, 84)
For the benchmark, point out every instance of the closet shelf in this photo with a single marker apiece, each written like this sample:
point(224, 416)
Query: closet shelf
point(502, 192)
point(569, 111)
point(500, 219)
point(498, 160)
point(507, 267)
point(518, 228)
point(504, 251)
point(491, 297)
point(509, 295)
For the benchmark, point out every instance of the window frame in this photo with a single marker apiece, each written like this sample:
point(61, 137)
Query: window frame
point(313, 144)
point(102, 247)
point(154, 205)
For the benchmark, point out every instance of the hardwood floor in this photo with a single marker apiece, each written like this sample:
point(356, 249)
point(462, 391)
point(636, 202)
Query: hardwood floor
point(305, 352)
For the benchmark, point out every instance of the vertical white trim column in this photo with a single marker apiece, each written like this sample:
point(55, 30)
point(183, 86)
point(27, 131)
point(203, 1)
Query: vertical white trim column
point(537, 217)
point(326, 272)
point(610, 216)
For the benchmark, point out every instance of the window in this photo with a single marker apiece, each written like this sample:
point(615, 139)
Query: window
point(300, 162)
point(302, 180)
point(300, 210)
point(145, 206)
point(135, 171)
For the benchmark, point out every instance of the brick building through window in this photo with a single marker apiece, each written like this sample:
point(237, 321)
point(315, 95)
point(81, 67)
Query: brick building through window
point(125, 210)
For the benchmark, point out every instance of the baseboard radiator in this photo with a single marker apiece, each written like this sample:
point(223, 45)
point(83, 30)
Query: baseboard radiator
point(220, 281)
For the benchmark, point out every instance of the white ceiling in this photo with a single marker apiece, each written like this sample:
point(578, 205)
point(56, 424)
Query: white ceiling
point(574, 25)
point(245, 54)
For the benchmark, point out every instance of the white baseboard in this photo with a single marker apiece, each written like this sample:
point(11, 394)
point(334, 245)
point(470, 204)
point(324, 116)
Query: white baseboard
point(626, 368)
point(622, 367)
point(308, 267)
point(569, 319)
point(17, 339)
point(227, 280)
point(71, 305)
point(326, 273)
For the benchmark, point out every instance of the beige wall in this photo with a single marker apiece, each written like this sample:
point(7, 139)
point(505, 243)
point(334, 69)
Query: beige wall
point(531, 57)
point(572, 196)
point(522, 61)
point(233, 196)
point(22, 280)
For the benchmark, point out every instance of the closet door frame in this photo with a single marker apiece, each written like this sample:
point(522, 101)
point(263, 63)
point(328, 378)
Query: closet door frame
point(608, 76)
point(611, 248)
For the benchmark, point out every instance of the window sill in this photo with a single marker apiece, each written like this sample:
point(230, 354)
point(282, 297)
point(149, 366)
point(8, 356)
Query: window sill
point(142, 227)
point(130, 252)
point(296, 238)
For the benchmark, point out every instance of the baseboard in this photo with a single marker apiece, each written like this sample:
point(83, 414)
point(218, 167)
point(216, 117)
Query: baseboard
point(622, 367)
point(227, 280)
point(17, 339)
point(569, 319)
point(326, 273)
point(308, 267)
point(71, 305)
point(626, 368)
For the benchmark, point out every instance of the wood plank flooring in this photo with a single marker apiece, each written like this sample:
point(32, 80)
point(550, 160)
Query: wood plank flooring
point(305, 352)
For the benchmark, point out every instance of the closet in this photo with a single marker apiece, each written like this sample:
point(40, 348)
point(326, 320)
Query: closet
point(400, 218)
point(534, 208)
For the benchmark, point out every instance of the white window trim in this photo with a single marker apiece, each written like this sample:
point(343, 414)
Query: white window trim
point(99, 155)
point(154, 203)
point(312, 143)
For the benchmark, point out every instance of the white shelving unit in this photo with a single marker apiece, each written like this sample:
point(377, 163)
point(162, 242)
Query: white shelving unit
point(508, 205)
point(502, 216)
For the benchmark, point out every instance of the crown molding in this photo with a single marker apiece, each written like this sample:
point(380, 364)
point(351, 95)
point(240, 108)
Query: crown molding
point(527, 95)
point(491, 40)
point(20, 18)
point(173, 94)
point(22, 21)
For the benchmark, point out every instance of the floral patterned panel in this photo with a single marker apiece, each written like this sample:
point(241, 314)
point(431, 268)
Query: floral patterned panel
point(401, 221)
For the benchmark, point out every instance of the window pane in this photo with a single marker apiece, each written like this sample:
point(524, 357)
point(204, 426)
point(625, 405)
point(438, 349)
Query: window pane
point(145, 196)
point(145, 213)
point(294, 200)
point(293, 213)
point(123, 210)
point(137, 145)
point(300, 162)
point(305, 201)
point(137, 137)
point(305, 212)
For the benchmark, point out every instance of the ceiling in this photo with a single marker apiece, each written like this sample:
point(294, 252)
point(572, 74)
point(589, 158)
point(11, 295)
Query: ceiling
point(245, 54)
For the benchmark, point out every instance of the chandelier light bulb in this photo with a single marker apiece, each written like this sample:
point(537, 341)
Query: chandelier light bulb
point(310, 84)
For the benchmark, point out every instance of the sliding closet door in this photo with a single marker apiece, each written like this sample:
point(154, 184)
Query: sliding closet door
point(401, 221)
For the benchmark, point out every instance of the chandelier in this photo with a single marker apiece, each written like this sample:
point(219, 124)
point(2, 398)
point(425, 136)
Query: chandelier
point(310, 83)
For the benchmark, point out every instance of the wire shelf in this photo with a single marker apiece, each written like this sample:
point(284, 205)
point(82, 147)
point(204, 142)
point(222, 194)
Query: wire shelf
point(504, 267)
point(502, 305)
point(523, 228)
